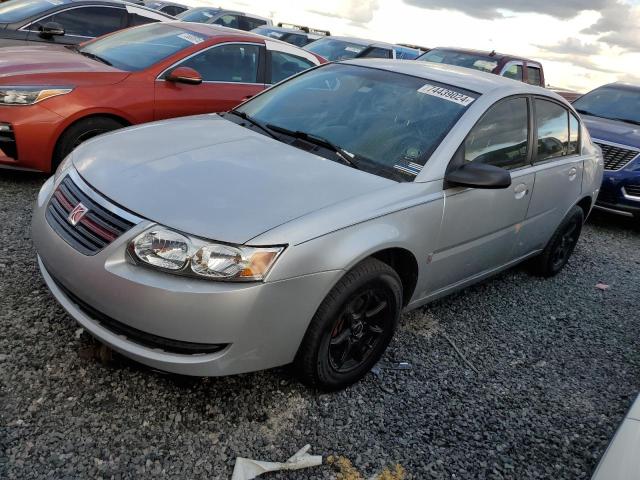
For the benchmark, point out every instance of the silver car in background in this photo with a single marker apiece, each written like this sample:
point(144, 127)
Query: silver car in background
point(296, 228)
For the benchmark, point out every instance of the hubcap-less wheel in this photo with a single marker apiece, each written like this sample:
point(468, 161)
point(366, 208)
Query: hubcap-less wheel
point(358, 329)
point(567, 242)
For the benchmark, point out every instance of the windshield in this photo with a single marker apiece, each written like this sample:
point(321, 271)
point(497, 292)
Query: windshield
point(391, 123)
point(335, 50)
point(198, 15)
point(614, 102)
point(484, 63)
point(139, 48)
point(16, 10)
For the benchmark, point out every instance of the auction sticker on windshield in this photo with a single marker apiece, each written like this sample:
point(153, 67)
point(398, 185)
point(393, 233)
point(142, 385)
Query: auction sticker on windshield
point(446, 94)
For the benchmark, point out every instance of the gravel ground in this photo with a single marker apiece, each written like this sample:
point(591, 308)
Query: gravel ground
point(558, 365)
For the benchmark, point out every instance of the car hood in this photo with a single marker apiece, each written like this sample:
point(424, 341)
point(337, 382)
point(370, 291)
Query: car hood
point(613, 131)
point(55, 64)
point(212, 178)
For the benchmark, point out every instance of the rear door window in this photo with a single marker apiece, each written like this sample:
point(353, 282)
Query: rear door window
point(89, 22)
point(534, 76)
point(514, 72)
point(237, 63)
point(284, 65)
point(249, 23)
point(231, 21)
point(574, 135)
point(501, 137)
point(552, 121)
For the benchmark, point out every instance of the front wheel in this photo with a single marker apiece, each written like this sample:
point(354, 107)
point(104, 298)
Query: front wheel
point(561, 246)
point(352, 328)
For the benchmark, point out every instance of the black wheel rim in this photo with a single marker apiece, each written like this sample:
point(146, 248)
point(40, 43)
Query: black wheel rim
point(83, 137)
point(566, 244)
point(359, 329)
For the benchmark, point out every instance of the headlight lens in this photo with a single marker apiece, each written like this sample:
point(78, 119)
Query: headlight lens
point(177, 253)
point(163, 249)
point(22, 95)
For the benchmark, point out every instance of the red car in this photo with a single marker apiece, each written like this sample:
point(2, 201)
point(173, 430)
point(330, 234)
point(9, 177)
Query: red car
point(54, 98)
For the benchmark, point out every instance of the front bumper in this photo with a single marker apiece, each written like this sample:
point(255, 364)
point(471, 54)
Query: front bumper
point(257, 325)
point(616, 193)
point(34, 129)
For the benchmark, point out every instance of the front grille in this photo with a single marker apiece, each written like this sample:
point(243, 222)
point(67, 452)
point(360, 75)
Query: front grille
point(138, 336)
point(93, 231)
point(633, 190)
point(616, 158)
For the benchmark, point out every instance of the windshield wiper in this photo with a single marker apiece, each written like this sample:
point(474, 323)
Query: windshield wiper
point(345, 156)
point(93, 56)
point(252, 121)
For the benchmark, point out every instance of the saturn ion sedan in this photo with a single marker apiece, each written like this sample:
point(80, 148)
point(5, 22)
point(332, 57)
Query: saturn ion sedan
point(296, 228)
point(54, 98)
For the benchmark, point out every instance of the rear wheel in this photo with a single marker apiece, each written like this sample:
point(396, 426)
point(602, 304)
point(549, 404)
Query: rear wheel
point(79, 132)
point(352, 328)
point(561, 246)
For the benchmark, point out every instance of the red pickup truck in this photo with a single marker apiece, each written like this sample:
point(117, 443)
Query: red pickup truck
point(517, 68)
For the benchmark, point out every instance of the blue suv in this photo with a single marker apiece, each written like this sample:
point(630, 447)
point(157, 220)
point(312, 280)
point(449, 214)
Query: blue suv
point(612, 115)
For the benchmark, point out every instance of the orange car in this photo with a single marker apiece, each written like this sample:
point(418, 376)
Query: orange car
point(54, 98)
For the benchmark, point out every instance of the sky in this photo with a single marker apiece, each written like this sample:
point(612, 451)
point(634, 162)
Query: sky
point(581, 43)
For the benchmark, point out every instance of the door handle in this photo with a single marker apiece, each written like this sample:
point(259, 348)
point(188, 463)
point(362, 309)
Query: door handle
point(520, 190)
point(573, 173)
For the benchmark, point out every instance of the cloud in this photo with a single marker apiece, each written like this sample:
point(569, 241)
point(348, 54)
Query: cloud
point(358, 12)
point(491, 9)
point(572, 46)
point(619, 26)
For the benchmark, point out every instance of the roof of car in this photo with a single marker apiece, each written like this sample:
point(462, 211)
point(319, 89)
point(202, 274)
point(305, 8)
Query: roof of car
point(625, 85)
point(473, 80)
point(211, 30)
point(497, 55)
point(284, 29)
point(363, 41)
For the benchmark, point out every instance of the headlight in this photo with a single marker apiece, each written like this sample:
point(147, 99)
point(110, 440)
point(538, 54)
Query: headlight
point(177, 253)
point(20, 95)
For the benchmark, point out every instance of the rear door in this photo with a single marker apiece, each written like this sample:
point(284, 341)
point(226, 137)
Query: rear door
point(231, 73)
point(558, 167)
point(480, 228)
point(80, 24)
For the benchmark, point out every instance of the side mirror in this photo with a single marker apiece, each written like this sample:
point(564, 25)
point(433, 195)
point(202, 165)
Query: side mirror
point(51, 29)
point(184, 75)
point(478, 175)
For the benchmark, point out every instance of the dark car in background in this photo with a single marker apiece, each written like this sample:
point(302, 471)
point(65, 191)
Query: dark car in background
point(170, 8)
point(297, 35)
point(516, 68)
point(68, 22)
point(612, 115)
point(345, 48)
point(225, 18)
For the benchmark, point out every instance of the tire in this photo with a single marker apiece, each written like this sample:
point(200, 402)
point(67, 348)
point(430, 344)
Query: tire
point(358, 316)
point(79, 132)
point(561, 246)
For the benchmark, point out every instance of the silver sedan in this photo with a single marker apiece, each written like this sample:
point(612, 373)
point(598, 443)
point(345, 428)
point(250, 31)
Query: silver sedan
point(296, 228)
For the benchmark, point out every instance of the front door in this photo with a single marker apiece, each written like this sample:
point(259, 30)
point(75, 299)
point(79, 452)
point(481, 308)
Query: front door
point(480, 228)
point(231, 73)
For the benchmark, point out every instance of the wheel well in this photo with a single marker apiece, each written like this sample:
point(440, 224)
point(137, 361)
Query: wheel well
point(405, 265)
point(585, 205)
point(122, 121)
